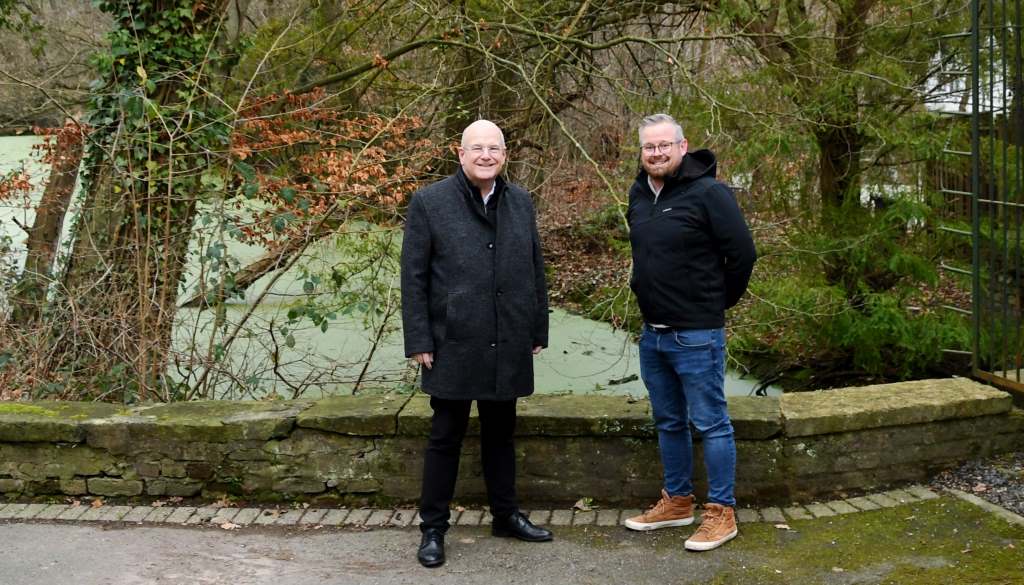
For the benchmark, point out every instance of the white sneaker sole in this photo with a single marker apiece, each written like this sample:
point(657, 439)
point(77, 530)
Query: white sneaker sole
point(702, 545)
point(644, 526)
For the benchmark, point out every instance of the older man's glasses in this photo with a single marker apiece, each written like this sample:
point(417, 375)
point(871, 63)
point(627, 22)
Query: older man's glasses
point(662, 147)
point(479, 149)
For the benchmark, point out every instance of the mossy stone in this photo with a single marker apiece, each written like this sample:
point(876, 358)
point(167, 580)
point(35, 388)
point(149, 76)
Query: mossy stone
point(884, 405)
point(370, 415)
point(300, 485)
point(11, 486)
point(173, 487)
point(73, 487)
point(48, 421)
point(304, 442)
point(414, 418)
point(572, 415)
point(755, 417)
point(103, 486)
point(194, 422)
point(581, 415)
point(217, 421)
point(53, 460)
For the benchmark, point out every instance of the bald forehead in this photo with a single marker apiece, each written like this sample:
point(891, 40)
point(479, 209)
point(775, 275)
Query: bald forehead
point(481, 132)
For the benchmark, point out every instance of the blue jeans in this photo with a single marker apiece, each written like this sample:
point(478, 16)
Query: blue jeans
point(684, 371)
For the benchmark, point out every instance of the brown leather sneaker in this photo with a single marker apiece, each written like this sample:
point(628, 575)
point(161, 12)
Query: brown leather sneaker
point(717, 527)
point(669, 511)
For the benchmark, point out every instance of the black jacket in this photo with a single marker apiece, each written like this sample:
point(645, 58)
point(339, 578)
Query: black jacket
point(692, 250)
point(473, 289)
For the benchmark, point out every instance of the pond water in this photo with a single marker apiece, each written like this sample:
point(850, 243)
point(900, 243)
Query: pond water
point(584, 357)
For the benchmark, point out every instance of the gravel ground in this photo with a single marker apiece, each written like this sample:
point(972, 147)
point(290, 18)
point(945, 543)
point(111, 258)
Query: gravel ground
point(999, 480)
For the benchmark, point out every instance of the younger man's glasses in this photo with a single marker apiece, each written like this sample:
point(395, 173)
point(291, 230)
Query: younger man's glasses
point(661, 147)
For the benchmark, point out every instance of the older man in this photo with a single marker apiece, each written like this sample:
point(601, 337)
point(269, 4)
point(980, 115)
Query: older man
point(475, 312)
point(692, 259)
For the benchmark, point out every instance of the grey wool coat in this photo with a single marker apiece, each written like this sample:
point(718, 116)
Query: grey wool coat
point(473, 290)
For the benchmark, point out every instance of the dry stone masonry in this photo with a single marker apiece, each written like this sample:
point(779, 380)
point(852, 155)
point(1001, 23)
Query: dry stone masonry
point(357, 449)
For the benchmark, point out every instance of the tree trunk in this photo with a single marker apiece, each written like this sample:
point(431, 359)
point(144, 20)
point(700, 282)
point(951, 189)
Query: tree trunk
point(44, 235)
point(114, 322)
point(839, 177)
point(839, 183)
point(122, 283)
point(265, 264)
point(464, 105)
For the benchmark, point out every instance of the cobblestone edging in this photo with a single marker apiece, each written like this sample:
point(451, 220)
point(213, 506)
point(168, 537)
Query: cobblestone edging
point(236, 518)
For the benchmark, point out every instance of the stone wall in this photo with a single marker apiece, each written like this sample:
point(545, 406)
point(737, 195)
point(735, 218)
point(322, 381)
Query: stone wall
point(794, 448)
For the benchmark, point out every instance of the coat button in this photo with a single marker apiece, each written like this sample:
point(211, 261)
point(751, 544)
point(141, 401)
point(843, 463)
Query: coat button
point(499, 293)
point(490, 245)
point(494, 345)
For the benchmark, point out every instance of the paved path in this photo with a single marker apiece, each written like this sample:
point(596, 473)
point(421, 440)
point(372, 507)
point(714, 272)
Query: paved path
point(124, 545)
point(95, 555)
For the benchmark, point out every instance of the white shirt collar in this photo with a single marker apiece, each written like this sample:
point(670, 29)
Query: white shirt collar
point(656, 190)
point(487, 197)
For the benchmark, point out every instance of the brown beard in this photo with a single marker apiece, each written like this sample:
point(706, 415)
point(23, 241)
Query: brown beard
point(660, 173)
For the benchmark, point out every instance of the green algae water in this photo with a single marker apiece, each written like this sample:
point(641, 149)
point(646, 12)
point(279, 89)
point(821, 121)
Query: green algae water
point(584, 357)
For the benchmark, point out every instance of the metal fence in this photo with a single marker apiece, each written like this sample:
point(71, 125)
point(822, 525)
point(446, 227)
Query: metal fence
point(993, 78)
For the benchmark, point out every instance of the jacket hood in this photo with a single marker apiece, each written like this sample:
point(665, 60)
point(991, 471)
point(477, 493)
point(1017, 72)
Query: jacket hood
point(696, 164)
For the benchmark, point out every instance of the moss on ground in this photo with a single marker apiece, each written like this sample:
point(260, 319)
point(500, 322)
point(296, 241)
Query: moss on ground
point(939, 541)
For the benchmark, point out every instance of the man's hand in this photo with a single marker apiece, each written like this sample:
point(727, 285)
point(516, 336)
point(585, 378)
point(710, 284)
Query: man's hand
point(426, 359)
point(536, 349)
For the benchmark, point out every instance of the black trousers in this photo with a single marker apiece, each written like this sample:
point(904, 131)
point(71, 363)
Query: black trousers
point(441, 460)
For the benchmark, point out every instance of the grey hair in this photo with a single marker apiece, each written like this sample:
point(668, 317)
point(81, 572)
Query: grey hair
point(655, 119)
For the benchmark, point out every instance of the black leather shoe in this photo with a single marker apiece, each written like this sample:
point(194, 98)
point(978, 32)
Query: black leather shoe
point(519, 526)
point(431, 553)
